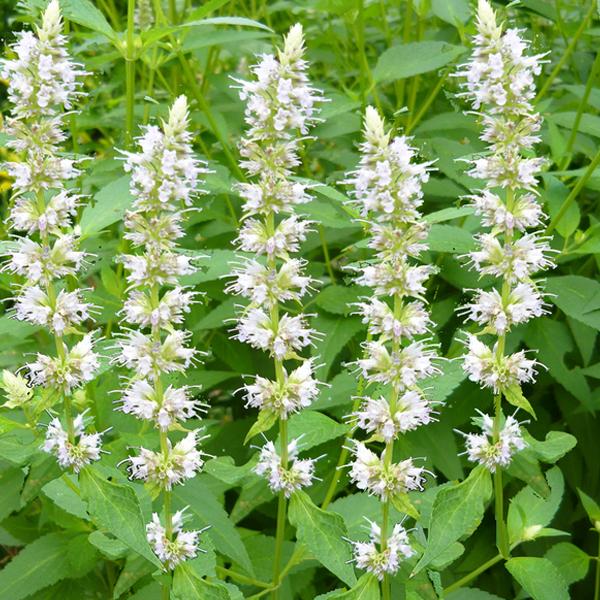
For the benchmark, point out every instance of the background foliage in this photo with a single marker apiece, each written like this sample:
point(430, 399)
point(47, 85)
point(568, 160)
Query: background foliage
point(89, 542)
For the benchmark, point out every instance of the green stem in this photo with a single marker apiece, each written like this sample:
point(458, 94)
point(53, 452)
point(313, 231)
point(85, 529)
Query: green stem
point(567, 53)
point(281, 517)
point(425, 106)
point(473, 574)
point(574, 193)
point(130, 74)
point(367, 82)
point(326, 254)
point(588, 88)
point(501, 531)
point(597, 580)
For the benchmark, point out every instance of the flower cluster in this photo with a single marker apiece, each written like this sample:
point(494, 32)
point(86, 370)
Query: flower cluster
point(280, 109)
point(499, 84)
point(164, 180)
point(387, 189)
point(43, 83)
point(494, 449)
point(371, 557)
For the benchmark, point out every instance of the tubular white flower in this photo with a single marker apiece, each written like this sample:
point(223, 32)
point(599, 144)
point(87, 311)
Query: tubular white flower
point(181, 546)
point(369, 558)
point(43, 82)
point(498, 81)
point(76, 453)
point(165, 175)
point(285, 478)
point(373, 474)
point(482, 448)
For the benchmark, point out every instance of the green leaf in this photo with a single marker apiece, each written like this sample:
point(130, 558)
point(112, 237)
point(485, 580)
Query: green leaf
point(111, 547)
point(529, 513)
point(266, 419)
point(578, 297)
point(186, 585)
point(450, 239)
point(314, 428)
point(40, 564)
point(11, 483)
point(338, 332)
point(109, 206)
point(556, 194)
point(572, 563)
point(63, 496)
point(116, 508)
point(135, 568)
point(591, 508)
point(366, 588)
point(322, 533)
point(538, 577)
point(456, 12)
point(553, 448)
point(240, 21)
point(407, 60)
point(457, 511)
point(514, 396)
point(206, 510)
point(339, 299)
point(82, 555)
point(449, 214)
point(403, 505)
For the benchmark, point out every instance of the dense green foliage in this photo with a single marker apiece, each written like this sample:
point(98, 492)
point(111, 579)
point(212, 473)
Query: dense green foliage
point(75, 537)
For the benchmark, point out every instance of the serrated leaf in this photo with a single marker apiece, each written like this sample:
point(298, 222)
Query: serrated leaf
point(322, 532)
point(110, 547)
point(572, 562)
point(554, 447)
point(187, 585)
point(116, 508)
point(108, 207)
point(63, 496)
point(366, 588)
point(40, 564)
point(457, 511)
point(538, 577)
point(11, 482)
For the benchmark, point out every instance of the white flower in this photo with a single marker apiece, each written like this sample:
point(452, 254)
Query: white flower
point(392, 241)
point(402, 369)
point(412, 319)
point(291, 334)
point(142, 400)
point(412, 410)
point(149, 357)
point(76, 453)
point(484, 366)
point(65, 311)
point(371, 473)
point(390, 278)
point(298, 474)
point(172, 306)
point(42, 78)
point(523, 303)
point(482, 448)
point(165, 470)
point(387, 181)
point(26, 214)
point(179, 547)
point(265, 286)
point(165, 172)
point(289, 233)
point(294, 392)
point(159, 232)
point(156, 268)
point(40, 263)
point(369, 557)
point(272, 194)
point(515, 260)
point(76, 367)
point(525, 212)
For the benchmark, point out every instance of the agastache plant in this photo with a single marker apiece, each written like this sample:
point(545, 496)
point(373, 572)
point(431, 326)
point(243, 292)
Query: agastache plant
point(164, 183)
point(387, 190)
point(280, 109)
point(500, 86)
point(44, 82)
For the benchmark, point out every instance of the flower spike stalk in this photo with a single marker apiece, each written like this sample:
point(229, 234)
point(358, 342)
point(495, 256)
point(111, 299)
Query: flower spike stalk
point(387, 188)
point(280, 109)
point(164, 183)
point(44, 82)
point(499, 84)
